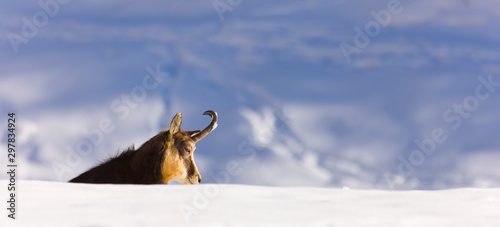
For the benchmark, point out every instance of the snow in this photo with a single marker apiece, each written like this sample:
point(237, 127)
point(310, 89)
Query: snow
point(42, 203)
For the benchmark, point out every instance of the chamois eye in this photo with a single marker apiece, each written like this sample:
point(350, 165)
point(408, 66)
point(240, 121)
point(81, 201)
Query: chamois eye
point(187, 150)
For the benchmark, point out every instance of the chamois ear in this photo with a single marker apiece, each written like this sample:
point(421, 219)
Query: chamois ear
point(175, 125)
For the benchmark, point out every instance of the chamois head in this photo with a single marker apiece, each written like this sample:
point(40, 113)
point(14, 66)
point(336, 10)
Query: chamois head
point(179, 163)
point(167, 156)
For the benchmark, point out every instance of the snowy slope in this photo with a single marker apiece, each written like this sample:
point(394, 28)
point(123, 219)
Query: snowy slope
point(63, 204)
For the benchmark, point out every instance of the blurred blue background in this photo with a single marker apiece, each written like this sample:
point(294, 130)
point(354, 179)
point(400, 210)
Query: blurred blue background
point(309, 93)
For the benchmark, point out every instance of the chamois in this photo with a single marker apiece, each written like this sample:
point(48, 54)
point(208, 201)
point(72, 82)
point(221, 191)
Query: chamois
point(167, 156)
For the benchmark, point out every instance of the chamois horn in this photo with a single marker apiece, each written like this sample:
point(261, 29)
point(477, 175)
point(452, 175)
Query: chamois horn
point(209, 128)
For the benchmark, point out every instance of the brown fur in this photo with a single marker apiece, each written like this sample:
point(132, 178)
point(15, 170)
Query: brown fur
point(167, 156)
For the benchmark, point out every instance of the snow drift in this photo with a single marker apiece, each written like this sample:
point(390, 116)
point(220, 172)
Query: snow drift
point(63, 204)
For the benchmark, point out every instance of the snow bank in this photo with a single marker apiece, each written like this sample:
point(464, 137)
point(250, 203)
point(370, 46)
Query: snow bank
point(63, 204)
